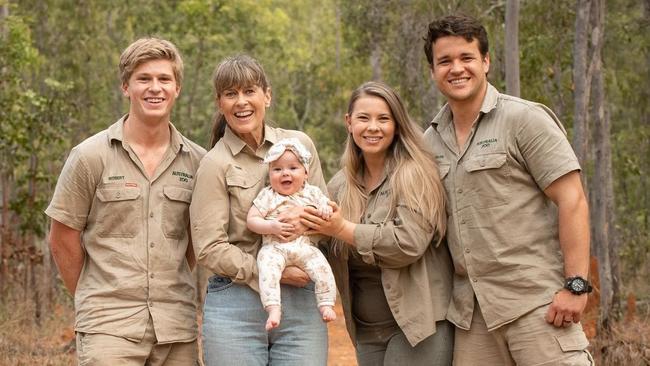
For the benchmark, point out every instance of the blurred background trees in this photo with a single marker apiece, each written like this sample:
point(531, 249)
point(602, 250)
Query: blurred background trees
point(587, 60)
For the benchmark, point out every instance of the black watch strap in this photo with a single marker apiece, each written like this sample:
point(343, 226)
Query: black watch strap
point(577, 285)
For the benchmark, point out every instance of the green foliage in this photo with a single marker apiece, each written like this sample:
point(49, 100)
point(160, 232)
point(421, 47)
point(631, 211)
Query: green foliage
point(59, 76)
point(32, 128)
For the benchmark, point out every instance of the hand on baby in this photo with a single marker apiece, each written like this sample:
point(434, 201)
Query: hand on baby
point(281, 229)
point(325, 212)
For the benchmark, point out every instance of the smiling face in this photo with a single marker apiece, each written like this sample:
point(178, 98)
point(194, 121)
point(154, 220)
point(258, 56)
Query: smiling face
point(287, 175)
point(152, 90)
point(244, 109)
point(372, 126)
point(459, 69)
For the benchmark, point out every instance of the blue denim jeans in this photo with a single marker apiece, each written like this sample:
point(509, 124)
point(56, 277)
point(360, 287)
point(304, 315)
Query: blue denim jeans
point(234, 334)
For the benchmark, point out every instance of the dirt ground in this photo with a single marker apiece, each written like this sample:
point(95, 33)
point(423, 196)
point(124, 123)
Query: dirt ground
point(56, 346)
point(341, 351)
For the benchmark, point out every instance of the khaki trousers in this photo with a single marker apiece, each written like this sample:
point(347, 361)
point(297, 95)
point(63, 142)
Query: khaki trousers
point(527, 341)
point(98, 349)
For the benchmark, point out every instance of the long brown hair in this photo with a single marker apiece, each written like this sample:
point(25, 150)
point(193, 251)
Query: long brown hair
point(234, 72)
point(412, 170)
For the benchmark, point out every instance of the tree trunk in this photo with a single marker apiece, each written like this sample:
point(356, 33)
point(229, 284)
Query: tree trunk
point(4, 187)
point(193, 89)
point(581, 79)
point(5, 235)
point(512, 48)
point(377, 17)
point(602, 212)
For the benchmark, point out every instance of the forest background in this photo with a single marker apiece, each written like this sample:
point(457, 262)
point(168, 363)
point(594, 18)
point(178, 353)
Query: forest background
point(589, 60)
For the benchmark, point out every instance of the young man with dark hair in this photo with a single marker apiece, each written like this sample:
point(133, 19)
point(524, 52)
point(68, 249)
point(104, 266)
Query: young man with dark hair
point(120, 220)
point(518, 227)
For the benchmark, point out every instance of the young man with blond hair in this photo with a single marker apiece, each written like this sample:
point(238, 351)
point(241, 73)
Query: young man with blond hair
point(518, 227)
point(120, 219)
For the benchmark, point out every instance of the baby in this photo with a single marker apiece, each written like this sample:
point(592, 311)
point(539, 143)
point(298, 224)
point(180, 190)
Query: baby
point(288, 160)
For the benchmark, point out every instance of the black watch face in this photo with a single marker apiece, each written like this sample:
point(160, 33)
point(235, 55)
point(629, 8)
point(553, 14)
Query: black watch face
point(577, 285)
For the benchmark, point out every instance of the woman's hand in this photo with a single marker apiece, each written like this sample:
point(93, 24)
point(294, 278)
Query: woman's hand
point(294, 276)
point(333, 226)
point(292, 216)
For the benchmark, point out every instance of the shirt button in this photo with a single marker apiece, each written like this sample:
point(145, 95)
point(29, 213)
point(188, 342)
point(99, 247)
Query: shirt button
point(117, 195)
point(482, 162)
point(151, 214)
point(460, 190)
point(462, 221)
point(474, 279)
point(368, 216)
point(151, 275)
point(150, 303)
point(467, 250)
point(152, 244)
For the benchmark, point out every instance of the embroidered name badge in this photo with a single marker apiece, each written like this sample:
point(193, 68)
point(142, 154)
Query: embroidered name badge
point(486, 143)
point(182, 176)
point(116, 177)
point(385, 192)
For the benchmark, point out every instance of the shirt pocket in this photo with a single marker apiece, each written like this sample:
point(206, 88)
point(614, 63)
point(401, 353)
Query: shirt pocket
point(443, 170)
point(176, 213)
point(241, 189)
point(119, 214)
point(487, 182)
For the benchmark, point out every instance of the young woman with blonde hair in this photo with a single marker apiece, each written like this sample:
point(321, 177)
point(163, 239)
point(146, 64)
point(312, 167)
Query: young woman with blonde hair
point(391, 264)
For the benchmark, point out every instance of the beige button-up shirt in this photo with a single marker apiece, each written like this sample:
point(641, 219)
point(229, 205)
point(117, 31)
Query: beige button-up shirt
point(228, 180)
point(503, 229)
point(135, 235)
point(415, 275)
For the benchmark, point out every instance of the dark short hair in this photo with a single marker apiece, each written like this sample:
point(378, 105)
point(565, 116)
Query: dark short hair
point(455, 25)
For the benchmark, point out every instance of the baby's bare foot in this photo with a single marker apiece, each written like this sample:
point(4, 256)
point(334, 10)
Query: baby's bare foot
point(274, 317)
point(328, 313)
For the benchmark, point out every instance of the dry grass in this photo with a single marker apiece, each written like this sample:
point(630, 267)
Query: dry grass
point(628, 343)
point(23, 342)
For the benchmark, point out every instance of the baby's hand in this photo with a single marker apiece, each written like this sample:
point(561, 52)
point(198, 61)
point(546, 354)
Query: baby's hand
point(281, 229)
point(325, 212)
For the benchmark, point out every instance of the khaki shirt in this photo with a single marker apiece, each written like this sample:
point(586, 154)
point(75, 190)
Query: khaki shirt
point(503, 230)
point(228, 180)
point(134, 233)
point(415, 275)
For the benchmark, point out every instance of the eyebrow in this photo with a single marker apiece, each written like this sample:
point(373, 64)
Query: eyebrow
point(463, 54)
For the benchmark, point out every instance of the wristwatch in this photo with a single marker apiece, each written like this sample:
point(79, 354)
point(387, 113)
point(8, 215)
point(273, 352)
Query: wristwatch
point(577, 285)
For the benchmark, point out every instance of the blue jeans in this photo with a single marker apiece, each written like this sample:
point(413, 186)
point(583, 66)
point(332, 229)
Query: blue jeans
point(234, 334)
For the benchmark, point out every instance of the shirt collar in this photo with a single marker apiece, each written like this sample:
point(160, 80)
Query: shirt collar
point(384, 176)
point(236, 145)
point(116, 132)
point(444, 118)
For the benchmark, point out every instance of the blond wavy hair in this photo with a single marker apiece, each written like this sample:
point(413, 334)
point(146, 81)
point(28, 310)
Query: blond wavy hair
point(150, 49)
point(412, 170)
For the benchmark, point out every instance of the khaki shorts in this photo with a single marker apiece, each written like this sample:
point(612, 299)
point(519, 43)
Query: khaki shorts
point(527, 341)
point(98, 349)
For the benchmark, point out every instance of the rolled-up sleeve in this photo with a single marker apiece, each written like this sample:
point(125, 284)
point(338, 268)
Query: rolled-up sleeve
point(210, 216)
point(544, 147)
point(315, 177)
point(395, 243)
point(74, 192)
